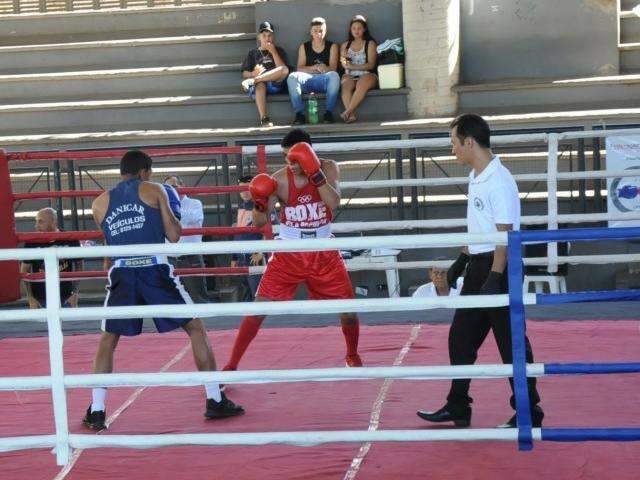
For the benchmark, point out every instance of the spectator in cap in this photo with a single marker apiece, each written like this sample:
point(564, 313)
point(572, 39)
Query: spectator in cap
point(264, 71)
point(316, 72)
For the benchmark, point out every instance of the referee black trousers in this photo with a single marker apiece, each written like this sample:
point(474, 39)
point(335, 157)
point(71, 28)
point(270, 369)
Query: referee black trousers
point(471, 326)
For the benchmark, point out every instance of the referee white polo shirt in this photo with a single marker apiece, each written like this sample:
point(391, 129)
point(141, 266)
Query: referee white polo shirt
point(493, 198)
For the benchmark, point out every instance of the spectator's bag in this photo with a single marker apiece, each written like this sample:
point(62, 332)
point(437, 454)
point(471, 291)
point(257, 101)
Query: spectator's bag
point(390, 52)
point(389, 57)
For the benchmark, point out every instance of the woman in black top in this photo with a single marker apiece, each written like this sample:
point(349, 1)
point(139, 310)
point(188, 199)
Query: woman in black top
point(316, 72)
point(359, 58)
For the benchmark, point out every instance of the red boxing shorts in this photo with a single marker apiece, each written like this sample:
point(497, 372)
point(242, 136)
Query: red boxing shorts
point(323, 273)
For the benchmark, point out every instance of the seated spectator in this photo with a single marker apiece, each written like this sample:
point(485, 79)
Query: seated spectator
point(47, 222)
point(359, 58)
point(264, 70)
point(245, 219)
point(438, 287)
point(192, 216)
point(316, 72)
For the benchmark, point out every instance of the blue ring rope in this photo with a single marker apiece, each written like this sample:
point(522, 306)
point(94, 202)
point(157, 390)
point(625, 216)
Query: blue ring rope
point(591, 434)
point(580, 234)
point(582, 297)
point(590, 368)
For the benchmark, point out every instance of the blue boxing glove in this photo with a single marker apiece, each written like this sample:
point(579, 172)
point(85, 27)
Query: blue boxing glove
point(174, 200)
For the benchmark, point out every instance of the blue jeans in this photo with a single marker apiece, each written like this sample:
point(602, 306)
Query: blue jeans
point(301, 82)
point(272, 88)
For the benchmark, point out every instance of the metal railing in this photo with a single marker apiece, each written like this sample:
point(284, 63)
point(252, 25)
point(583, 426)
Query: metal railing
point(552, 177)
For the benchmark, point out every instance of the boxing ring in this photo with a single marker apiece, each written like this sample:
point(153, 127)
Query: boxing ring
point(64, 442)
point(58, 382)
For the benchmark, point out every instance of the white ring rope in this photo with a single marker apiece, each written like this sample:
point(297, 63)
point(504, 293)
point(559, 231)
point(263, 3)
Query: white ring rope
point(351, 227)
point(364, 263)
point(250, 246)
point(522, 177)
point(293, 307)
point(287, 438)
point(187, 379)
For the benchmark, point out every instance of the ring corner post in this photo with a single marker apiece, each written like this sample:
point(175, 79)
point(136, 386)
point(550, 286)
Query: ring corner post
point(517, 320)
point(261, 158)
point(9, 269)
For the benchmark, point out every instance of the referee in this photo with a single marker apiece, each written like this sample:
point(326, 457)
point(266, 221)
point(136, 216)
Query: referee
point(493, 205)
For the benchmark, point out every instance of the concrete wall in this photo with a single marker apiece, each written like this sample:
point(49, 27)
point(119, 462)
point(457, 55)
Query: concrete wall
point(292, 17)
point(538, 38)
point(432, 65)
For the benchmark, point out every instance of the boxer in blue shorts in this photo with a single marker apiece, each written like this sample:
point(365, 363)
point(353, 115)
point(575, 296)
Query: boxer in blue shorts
point(138, 211)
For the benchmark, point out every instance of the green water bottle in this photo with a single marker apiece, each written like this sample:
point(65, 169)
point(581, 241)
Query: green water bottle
point(312, 109)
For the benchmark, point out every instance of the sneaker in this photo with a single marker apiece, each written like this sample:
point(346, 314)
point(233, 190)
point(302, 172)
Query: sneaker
point(266, 122)
point(327, 117)
point(247, 84)
point(537, 415)
point(299, 120)
point(353, 360)
point(222, 409)
point(95, 420)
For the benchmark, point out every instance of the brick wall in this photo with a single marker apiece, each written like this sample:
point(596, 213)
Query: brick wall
point(432, 44)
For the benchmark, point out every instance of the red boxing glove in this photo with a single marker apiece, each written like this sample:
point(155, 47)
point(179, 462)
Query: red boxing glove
point(303, 154)
point(261, 188)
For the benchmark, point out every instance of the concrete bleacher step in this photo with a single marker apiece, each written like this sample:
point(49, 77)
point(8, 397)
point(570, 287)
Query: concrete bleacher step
point(629, 26)
point(232, 110)
point(81, 138)
point(629, 57)
point(195, 80)
point(228, 17)
point(541, 95)
point(125, 53)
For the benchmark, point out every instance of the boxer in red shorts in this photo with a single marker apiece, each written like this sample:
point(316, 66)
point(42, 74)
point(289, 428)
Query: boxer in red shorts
point(308, 192)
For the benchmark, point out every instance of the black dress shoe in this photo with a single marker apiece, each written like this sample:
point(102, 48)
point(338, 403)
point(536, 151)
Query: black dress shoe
point(536, 419)
point(460, 418)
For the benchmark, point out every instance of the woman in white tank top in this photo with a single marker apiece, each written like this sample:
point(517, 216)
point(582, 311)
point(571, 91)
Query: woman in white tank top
point(358, 57)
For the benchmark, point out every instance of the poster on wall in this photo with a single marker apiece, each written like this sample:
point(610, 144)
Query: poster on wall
point(623, 153)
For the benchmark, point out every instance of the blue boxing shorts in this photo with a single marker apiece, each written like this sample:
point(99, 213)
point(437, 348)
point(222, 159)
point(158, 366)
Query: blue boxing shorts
point(143, 281)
